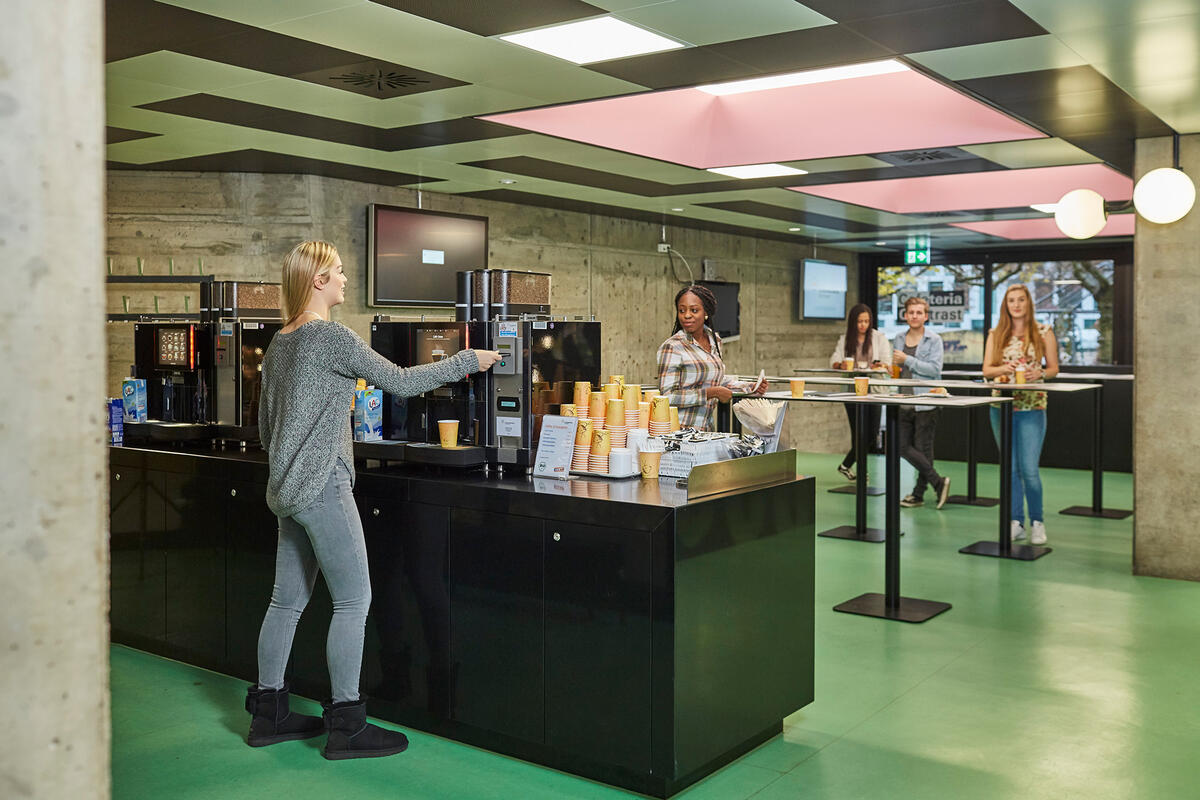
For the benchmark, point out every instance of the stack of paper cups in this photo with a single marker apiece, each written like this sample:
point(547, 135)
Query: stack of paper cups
point(660, 416)
point(644, 415)
point(583, 444)
point(631, 394)
point(617, 379)
point(674, 412)
point(597, 408)
point(568, 410)
point(601, 447)
point(612, 391)
point(615, 422)
point(649, 394)
point(583, 390)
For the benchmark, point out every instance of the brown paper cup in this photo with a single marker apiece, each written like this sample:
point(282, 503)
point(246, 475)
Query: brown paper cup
point(596, 404)
point(861, 384)
point(797, 387)
point(617, 379)
point(583, 433)
point(612, 391)
point(674, 412)
point(601, 442)
point(660, 409)
point(632, 395)
point(648, 463)
point(648, 395)
point(616, 413)
point(448, 432)
point(848, 363)
point(567, 410)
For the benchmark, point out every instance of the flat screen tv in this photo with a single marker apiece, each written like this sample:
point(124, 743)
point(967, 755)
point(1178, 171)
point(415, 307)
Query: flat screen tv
point(822, 290)
point(727, 322)
point(412, 254)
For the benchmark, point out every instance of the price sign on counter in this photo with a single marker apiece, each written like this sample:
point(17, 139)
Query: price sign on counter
point(556, 446)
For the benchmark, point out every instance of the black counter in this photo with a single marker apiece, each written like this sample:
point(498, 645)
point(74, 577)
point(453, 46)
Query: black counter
point(612, 629)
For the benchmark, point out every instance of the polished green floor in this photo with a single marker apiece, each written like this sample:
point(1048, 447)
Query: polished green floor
point(1062, 678)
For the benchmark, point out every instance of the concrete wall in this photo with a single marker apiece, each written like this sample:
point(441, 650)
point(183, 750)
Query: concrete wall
point(53, 462)
point(239, 226)
point(1166, 428)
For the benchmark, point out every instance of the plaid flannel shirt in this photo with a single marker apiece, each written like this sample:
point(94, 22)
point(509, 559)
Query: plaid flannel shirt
point(685, 370)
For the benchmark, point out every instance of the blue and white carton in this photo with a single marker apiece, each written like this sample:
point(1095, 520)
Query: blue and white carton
point(133, 396)
point(368, 414)
point(116, 421)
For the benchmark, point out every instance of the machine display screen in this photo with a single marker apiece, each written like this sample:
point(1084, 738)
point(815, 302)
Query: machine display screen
point(436, 344)
point(175, 347)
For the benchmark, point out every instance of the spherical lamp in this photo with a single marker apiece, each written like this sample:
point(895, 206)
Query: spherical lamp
point(1080, 214)
point(1164, 195)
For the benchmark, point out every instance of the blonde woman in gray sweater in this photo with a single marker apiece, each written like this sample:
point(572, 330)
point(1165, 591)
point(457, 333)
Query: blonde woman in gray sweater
point(309, 373)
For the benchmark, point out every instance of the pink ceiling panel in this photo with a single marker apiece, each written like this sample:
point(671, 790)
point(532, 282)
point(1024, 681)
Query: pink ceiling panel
point(977, 190)
point(1043, 227)
point(876, 114)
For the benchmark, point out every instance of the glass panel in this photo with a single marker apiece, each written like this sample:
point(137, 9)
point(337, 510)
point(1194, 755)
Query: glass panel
point(955, 293)
point(1075, 297)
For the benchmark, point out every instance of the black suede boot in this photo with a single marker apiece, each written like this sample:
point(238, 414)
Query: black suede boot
point(351, 736)
point(273, 721)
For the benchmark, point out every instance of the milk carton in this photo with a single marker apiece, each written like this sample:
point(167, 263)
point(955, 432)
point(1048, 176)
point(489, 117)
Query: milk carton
point(368, 414)
point(133, 397)
point(116, 421)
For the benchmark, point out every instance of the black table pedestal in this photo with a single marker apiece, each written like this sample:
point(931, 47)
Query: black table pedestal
point(859, 531)
point(1003, 546)
point(971, 498)
point(1097, 509)
point(890, 605)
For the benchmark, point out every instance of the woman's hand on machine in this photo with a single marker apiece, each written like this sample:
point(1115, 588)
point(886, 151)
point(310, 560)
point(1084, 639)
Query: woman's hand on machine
point(486, 358)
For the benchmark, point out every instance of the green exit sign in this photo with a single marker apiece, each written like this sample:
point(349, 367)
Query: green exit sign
point(917, 251)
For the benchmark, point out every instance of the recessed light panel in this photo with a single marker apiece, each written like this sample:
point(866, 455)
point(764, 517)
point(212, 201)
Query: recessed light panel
point(592, 40)
point(758, 171)
point(805, 78)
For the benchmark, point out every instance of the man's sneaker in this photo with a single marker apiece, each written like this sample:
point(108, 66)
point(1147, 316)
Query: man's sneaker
point(912, 501)
point(943, 492)
point(1018, 530)
point(846, 471)
point(1037, 532)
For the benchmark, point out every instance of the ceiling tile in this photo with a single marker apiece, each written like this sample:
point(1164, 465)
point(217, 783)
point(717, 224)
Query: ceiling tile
point(849, 10)
point(1066, 16)
point(709, 21)
point(825, 46)
point(673, 68)
point(948, 26)
point(257, 161)
point(113, 135)
point(1044, 228)
point(1032, 153)
point(999, 58)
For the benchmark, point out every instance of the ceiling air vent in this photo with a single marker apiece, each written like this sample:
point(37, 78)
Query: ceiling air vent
point(937, 155)
point(379, 79)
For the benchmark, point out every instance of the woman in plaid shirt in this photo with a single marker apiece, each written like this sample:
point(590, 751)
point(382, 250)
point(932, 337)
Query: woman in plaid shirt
point(690, 371)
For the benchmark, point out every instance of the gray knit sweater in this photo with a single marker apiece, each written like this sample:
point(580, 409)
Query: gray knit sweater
point(304, 415)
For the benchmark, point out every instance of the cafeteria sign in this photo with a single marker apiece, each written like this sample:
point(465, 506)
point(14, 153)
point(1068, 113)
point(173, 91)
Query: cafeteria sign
point(944, 306)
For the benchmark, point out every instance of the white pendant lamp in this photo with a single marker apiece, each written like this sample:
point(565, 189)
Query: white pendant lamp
point(1080, 214)
point(1164, 195)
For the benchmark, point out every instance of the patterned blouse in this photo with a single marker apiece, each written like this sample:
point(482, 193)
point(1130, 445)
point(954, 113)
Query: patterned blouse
point(685, 370)
point(1024, 401)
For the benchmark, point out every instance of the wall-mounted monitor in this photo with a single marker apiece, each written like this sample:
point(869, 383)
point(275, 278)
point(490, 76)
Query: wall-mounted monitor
point(727, 322)
point(822, 290)
point(412, 254)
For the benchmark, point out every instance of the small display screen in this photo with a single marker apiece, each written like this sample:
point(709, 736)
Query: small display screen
point(173, 348)
point(435, 344)
point(508, 404)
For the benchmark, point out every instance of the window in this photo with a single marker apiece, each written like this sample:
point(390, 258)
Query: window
point(1076, 298)
point(955, 293)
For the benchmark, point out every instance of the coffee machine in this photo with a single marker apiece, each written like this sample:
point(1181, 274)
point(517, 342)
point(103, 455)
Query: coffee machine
point(209, 372)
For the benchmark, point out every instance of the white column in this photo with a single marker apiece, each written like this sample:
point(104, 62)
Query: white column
point(53, 460)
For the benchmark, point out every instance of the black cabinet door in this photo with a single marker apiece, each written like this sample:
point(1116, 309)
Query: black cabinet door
point(194, 541)
point(137, 590)
point(598, 643)
point(407, 658)
point(251, 532)
point(496, 623)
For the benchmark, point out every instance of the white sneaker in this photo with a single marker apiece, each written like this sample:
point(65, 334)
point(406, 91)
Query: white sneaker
point(1037, 533)
point(1018, 530)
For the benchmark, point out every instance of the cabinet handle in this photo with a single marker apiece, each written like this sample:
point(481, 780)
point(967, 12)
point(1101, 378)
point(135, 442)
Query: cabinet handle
point(233, 492)
point(375, 512)
point(557, 536)
point(116, 476)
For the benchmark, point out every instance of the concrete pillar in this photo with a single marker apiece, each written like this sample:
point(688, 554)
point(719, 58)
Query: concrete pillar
point(53, 463)
point(1166, 432)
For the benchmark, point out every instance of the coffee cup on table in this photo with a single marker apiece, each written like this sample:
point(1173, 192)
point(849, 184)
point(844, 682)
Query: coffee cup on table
point(848, 364)
point(648, 462)
point(1019, 374)
point(797, 387)
point(862, 384)
point(448, 432)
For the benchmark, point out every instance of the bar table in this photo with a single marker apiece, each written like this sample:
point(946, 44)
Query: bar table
point(1096, 509)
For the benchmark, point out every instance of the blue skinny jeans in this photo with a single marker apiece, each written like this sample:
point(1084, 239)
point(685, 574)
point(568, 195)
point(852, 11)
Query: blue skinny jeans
point(1029, 431)
point(325, 537)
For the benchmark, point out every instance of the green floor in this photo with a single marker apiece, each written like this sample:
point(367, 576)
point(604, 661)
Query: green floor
point(1061, 678)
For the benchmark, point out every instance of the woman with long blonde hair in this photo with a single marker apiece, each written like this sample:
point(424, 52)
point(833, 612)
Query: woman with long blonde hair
point(308, 378)
point(1020, 345)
